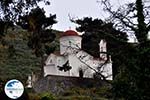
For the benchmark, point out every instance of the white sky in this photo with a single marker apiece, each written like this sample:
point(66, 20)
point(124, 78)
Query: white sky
point(76, 9)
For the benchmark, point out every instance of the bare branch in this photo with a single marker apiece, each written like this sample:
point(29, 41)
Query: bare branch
point(119, 15)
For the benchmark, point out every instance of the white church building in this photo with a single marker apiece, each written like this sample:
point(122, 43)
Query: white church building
point(72, 55)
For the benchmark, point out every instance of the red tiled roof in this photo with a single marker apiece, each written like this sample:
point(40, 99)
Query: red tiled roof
point(70, 33)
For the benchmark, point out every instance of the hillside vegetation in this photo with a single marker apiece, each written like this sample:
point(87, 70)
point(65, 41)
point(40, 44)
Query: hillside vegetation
point(16, 58)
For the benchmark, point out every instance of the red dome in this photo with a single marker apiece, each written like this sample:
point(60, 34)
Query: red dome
point(70, 33)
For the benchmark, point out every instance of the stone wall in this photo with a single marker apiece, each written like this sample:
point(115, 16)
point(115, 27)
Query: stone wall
point(59, 84)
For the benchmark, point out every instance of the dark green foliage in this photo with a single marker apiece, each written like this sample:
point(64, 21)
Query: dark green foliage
point(21, 12)
point(142, 30)
point(11, 51)
point(50, 49)
point(36, 20)
point(16, 59)
point(4, 25)
point(37, 23)
point(11, 11)
point(130, 60)
point(132, 81)
point(47, 96)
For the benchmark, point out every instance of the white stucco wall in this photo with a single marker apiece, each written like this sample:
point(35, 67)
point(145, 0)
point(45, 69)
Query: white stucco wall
point(50, 63)
point(103, 48)
point(107, 71)
point(60, 61)
point(77, 61)
point(68, 43)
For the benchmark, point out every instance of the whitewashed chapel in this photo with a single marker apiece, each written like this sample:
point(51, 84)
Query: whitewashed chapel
point(72, 55)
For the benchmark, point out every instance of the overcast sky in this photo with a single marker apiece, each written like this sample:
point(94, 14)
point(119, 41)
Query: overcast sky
point(76, 9)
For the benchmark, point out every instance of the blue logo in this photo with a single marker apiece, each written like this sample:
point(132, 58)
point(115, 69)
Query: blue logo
point(14, 89)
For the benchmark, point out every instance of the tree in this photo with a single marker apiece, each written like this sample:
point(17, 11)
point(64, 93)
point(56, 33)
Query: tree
point(28, 15)
point(131, 82)
point(11, 10)
point(39, 27)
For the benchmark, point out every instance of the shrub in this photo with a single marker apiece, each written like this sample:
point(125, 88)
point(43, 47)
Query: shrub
point(47, 96)
point(33, 96)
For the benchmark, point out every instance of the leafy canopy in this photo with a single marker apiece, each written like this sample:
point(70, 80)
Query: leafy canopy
point(39, 26)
